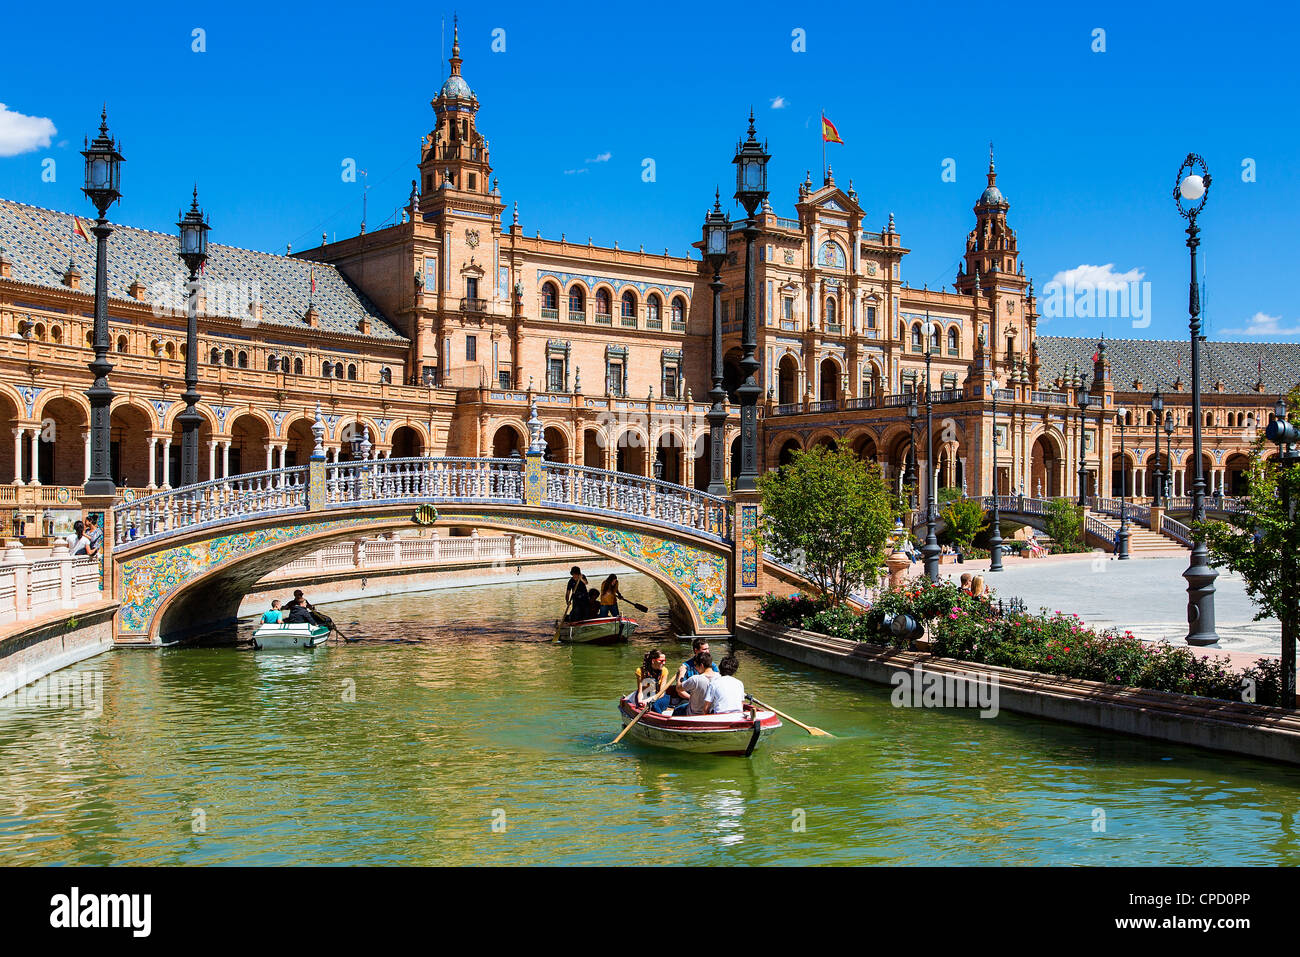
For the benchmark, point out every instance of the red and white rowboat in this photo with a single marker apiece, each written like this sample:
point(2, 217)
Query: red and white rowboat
point(736, 733)
point(595, 631)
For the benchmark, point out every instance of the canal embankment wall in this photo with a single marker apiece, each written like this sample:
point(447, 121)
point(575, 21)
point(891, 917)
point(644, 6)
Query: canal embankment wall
point(1246, 729)
point(35, 648)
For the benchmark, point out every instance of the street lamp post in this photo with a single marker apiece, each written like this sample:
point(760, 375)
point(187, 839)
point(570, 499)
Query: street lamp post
point(1157, 406)
point(194, 253)
point(1287, 436)
point(1169, 452)
point(1190, 194)
point(751, 189)
point(1121, 537)
point(715, 256)
point(930, 550)
point(103, 188)
point(995, 540)
point(1085, 399)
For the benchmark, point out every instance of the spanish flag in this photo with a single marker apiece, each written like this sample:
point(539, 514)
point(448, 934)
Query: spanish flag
point(82, 228)
point(829, 133)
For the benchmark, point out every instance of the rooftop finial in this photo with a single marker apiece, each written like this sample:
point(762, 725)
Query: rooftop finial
point(992, 171)
point(103, 120)
point(455, 45)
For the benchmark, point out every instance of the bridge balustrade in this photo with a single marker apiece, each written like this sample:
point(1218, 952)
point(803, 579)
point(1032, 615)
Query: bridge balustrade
point(219, 500)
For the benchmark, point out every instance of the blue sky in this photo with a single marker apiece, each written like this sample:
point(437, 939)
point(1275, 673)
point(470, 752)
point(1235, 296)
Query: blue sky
point(1088, 143)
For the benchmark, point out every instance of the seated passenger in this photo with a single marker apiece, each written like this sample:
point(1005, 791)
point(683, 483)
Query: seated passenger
point(652, 681)
point(696, 687)
point(585, 605)
point(726, 693)
point(274, 616)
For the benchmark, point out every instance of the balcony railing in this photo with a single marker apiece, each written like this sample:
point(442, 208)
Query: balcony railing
point(629, 322)
point(550, 314)
point(577, 315)
point(1051, 398)
point(470, 304)
point(604, 319)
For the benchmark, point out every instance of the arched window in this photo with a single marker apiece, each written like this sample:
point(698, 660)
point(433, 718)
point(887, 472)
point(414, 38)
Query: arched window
point(90, 337)
point(577, 300)
point(830, 311)
point(229, 357)
point(1150, 418)
point(602, 302)
point(385, 374)
point(121, 343)
point(629, 306)
point(154, 346)
point(550, 296)
point(56, 334)
point(653, 311)
point(170, 350)
point(272, 364)
point(243, 360)
point(935, 344)
point(338, 371)
point(352, 371)
point(679, 310)
point(215, 357)
point(954, 341)
point(297, 366)
point(327, 369)
point(1209, 418)
point(916, 336)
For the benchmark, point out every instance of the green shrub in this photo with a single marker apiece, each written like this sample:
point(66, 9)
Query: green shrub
point(1064, 523)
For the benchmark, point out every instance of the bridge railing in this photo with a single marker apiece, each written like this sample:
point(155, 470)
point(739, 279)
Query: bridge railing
point(585, 489)
point(1100, 529)
point(443, 479)
point(1018, 503)
point(218, 500)
point(1176, 530)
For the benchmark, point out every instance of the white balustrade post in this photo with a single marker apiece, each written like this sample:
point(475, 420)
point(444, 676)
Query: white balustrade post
point(476, 545)
point(436, 542)
point(61, 555)
point(13, 555)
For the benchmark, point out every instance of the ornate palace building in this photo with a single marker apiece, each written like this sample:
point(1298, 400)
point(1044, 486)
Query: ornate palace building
point(435, 335)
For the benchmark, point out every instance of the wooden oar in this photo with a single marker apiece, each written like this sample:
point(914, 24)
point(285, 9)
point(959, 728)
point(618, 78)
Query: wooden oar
point(628, 727)
point(637, 605)
point(815, 732)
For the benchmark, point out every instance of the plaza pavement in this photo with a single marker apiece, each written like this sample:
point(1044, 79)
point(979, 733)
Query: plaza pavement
point(1146, 595)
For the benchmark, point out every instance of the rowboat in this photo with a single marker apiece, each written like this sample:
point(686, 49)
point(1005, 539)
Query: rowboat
point(737, 734)
point(296, 635)
point(595, 631)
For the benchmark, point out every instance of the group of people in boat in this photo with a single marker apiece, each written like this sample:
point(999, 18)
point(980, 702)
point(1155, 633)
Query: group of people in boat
point(297, 611)
point(699, 685)
point(583, 603)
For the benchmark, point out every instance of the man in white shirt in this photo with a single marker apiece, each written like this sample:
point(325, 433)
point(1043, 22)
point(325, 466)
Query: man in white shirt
point(696, 686)
point(726, 693)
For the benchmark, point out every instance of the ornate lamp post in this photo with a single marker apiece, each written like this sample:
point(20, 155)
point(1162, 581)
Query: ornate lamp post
point(1085, 399)
point(1287, 436)
point(995, 540)
point(1157, 406)
point(1121, 537)
point(1190, 194)
point(715, 255)
point(909, 476)
point(103, 188)
point(751, 189)
point(930, 550)
point(194, 253)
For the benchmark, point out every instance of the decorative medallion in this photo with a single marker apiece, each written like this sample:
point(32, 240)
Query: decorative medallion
point(471, 238)
point(63, 495)
point(871, 269)
point(789, 257)
point(1011, 305)
point(425, 515)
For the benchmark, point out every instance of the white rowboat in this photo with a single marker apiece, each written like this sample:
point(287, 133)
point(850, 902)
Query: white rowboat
point(297, 635)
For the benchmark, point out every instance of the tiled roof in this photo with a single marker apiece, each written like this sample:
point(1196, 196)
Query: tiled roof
point(1238, 364)
point(39, 243)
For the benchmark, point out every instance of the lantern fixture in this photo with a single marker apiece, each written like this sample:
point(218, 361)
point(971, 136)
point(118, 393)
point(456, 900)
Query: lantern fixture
point(751, 171)
point(103, 168)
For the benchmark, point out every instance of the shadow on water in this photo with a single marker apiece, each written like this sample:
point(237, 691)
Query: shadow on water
point(455, 732)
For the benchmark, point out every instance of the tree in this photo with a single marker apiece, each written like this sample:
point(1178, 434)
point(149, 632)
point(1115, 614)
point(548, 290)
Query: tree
point(1064, 524)
point(965, 518)
point(830, 513)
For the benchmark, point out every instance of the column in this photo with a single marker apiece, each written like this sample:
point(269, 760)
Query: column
point(18, 457)
point(212, 459)
point(225, 458)
point(167, 462)
point(153, 462)
point(268, 455)
point(36, 456)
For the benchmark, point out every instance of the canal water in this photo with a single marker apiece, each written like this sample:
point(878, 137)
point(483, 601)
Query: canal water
point(456, 733)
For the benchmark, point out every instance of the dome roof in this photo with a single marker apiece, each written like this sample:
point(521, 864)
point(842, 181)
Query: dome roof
point(992, 196)
point(457, 87)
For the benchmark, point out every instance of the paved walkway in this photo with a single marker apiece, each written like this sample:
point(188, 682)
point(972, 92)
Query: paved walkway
point(1147, 596)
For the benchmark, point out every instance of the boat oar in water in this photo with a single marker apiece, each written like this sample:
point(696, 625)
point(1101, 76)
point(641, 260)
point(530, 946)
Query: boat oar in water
point(637, 605)
point(628, 727)
point(815, 732)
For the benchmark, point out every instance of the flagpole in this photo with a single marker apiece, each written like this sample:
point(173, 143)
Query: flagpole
point(823, 133)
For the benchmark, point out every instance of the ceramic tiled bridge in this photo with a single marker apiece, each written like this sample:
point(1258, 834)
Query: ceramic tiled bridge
point(181, 560)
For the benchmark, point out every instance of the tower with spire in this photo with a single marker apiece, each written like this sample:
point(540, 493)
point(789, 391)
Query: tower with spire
point(454, 155)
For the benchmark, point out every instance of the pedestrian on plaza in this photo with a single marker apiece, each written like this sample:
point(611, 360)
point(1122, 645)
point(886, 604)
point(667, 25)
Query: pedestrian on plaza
point(977, 588)
point(94, 534)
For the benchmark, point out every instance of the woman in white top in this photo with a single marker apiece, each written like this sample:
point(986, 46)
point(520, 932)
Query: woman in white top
point(78, 543)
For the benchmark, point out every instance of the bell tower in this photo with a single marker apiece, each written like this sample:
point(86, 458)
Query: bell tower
point(991, 245)
point(454, 156)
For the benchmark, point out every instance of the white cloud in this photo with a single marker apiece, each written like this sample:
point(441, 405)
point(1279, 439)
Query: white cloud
point(1098, 277)
point(22, 134)
point(574, 172)
point(1262, 324)
point(600, 158)
point(778, 103)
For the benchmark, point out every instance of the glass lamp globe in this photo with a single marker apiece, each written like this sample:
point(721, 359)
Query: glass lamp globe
point(1192, 187)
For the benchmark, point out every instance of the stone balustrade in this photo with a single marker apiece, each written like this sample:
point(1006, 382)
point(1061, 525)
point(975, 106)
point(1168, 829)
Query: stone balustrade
point(31, 588)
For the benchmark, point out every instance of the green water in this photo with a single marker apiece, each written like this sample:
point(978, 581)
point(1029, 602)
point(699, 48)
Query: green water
point(477, 742)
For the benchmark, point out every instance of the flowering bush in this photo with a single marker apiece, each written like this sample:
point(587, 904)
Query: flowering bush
point(973, 629)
